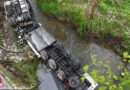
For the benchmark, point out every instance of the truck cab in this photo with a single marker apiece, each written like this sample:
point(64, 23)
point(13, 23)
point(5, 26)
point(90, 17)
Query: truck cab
point(17, 11)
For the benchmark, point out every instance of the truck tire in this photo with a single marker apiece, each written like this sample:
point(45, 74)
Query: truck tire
point(44, 55)
point(12, 21)
point(76, 64)
point(52, 64)
point(59, 45)
point(74, 82)
point(61, 75)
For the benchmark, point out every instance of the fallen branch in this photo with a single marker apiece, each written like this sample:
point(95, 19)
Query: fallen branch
point(11, 51)
point(92, 9)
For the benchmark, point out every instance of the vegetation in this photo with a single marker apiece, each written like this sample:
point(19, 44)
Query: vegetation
point(106, 79)
point(26, 69)
point(101, 17)
point(1, 36)
point(1, 23)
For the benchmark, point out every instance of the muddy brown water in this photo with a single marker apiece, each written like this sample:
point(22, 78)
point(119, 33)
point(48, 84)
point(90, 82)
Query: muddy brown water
point(79, 48)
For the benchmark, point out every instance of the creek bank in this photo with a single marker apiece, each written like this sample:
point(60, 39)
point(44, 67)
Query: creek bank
point(109, 41)
point(73, 12)
point(1, 19)
point(78, 47)
point(1, 14)
point(20, 70)
point(18, 64)
point(11, 79)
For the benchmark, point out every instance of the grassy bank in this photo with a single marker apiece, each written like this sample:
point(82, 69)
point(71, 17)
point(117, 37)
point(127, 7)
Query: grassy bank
point(1, 23)
point(108, 20)
point(25, 71)
point(21, 74)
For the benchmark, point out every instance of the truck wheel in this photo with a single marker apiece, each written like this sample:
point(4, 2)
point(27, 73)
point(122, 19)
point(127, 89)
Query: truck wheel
point(59, 45)
point(74, 82)
point(52, 64)
point(44, 55)
point(61, 75)
point(12, 21)
point(76, 63)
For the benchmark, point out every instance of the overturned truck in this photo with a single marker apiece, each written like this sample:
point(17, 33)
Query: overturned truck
point(65, 69)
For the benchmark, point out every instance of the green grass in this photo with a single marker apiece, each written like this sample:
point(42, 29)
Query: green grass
point(27, 70)
point(110, 17)
point(1, 24)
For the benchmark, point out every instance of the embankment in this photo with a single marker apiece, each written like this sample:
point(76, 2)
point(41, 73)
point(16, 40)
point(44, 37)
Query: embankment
point(103, 21)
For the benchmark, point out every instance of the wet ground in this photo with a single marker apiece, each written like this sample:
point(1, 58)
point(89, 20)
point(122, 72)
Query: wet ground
point(79, 48)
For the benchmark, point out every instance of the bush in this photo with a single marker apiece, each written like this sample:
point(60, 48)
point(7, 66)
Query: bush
point(109, 81)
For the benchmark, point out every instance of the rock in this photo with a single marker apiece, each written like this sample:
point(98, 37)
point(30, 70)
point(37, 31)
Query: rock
point(16, 58)
point(4, 43)
point(31, 54)
point(5, 57)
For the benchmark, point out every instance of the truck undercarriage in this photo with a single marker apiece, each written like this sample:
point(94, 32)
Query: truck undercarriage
point(65, 69)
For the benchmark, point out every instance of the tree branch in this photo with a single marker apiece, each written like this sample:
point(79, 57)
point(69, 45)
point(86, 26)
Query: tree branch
point(11, 51)
point(95, 4)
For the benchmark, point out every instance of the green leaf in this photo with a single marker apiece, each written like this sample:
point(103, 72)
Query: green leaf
point(115, 77)
point(112, 87)
point(85, 68)
point(125, 54)
point(107, 83)
point(124, 60)
point(102, 79)
point(128, 56)
point(128, 61)
point(82, 79)
point(102, 88)
point(120, 87)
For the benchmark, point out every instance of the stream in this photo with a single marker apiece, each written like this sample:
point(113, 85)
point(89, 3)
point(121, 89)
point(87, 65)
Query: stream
point(79, 48)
